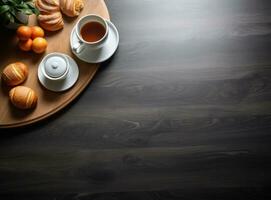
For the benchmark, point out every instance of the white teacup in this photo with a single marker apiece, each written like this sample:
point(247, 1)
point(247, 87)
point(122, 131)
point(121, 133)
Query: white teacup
point(82, 44)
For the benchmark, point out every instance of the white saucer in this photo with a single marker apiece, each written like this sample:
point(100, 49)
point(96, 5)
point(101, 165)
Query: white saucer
point(98, 55)
point(60, 85)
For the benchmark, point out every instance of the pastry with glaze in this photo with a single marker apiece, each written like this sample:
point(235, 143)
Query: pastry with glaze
point(23, 97)
point(15, 73)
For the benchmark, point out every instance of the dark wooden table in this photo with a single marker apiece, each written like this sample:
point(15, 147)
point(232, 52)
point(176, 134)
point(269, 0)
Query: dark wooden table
point(182, 111)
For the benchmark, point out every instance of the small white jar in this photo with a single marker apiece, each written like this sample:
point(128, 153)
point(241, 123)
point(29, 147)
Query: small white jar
point(55, 67)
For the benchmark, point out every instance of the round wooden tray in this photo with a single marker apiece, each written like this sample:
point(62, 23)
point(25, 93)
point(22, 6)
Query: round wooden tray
point(49, 102)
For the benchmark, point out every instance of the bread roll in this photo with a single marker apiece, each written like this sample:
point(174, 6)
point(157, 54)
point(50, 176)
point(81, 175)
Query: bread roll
point(15, 73)
point(23, 97)
point(71, 8)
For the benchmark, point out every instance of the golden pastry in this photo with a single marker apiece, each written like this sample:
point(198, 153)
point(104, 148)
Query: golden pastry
point(15, 73)
point(50, 17)
point(71, 8)
point(47, 6)
point(51, 22)
point(23, 97)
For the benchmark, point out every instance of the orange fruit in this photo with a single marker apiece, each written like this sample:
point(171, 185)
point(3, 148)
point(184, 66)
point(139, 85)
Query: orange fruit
point(37, 32)
point(24, 32)
point(39, 45)
point(25, 45)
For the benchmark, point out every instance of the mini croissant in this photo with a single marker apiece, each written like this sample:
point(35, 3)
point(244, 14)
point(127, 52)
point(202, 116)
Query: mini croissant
point(51, 22)
point(71, 8)
point(47, 6)
point(50, 17)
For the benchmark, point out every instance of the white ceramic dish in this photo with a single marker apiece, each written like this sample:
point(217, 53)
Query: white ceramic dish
point(60, 85)
point(92, 55)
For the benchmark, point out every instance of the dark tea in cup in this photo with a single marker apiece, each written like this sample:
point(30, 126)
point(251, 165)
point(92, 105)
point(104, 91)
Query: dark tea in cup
point(92, 31)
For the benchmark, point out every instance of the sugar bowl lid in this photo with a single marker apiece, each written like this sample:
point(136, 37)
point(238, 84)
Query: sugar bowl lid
point(55, 65)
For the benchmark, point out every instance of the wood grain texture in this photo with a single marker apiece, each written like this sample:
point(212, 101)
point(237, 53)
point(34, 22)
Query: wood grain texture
point(182, 111)
point(49, 102)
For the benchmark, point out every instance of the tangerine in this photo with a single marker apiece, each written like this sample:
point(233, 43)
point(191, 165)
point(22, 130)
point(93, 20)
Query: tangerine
point(25, 45)
point(24, 32)
point(39, 45)
point(37, 32)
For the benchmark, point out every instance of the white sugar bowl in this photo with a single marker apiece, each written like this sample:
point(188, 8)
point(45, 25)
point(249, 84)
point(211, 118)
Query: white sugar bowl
point(58, 72)
point(55, 66)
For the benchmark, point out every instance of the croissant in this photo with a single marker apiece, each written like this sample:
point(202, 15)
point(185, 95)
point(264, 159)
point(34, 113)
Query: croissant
point(50, 17)
point(47, 6)
point(51, 22)
point(71, 8)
